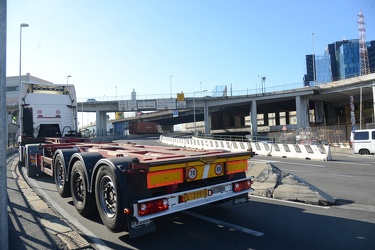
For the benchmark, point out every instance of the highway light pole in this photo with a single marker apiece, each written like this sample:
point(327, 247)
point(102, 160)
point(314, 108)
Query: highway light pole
point(195, 124)
point(170, 84)
point(4, 214)
point(23, 25)
point(312, 39)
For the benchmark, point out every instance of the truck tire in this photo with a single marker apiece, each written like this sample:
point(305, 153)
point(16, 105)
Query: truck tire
point(108, 196)
point(83, 200)
point(60, 177)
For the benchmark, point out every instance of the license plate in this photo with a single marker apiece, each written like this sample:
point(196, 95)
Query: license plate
point(219, 189)
point(196, 195)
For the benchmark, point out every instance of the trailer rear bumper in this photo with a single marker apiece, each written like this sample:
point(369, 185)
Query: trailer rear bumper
point(193, 198)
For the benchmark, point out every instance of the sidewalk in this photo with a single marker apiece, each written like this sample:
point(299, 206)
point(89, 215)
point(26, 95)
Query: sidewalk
point(32, 223)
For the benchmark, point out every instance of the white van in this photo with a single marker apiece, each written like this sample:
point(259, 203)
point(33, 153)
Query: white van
point(364, 141)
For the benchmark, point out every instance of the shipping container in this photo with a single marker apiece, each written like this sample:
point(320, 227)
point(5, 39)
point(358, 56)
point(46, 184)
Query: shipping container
point(141, 127)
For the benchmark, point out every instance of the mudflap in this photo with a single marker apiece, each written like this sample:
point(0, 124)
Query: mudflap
point(137, 229)
point(243, 198)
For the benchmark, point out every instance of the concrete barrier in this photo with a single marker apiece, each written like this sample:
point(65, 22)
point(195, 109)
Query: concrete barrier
point(262, 148)
point(310, 152)
point(315, 152)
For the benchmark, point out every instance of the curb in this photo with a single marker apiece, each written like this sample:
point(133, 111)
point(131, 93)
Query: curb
point(48, 219)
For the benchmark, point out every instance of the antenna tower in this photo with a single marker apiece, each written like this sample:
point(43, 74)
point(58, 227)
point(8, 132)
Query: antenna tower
point(363, 55)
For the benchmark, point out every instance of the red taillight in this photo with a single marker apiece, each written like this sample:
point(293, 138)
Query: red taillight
point(241, 185)
point(152, 207)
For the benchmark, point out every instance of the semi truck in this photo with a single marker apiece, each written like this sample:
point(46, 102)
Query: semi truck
point(129, 185)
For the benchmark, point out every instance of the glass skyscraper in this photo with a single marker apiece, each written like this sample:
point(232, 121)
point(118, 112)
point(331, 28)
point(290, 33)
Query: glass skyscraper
point(340, 61)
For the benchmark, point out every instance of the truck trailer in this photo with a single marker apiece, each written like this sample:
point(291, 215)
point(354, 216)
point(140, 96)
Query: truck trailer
point(129, 185)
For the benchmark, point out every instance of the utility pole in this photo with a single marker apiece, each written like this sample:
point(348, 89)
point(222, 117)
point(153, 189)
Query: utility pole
point(4, 241)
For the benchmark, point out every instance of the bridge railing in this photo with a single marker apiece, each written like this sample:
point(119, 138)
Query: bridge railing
point(241, 92)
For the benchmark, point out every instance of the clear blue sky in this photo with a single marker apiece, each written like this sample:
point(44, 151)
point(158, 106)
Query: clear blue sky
point(140, 44)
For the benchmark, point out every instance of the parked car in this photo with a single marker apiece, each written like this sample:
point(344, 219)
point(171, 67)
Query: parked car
point(363, 141)
point(315, 142)
point(91, 100)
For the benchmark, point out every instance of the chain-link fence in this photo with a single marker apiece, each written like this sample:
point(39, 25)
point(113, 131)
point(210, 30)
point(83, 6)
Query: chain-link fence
point(336, 134)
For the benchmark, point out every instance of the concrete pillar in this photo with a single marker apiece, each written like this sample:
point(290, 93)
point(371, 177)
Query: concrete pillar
point(331, 114)
point(277, 118)
point(302, 110)
point(169, 128)
point(101, 123)
point(216, 120)
point(266, 121)
point(207, 119)
point(319, 112)
point(373, 101)
point(253, 118)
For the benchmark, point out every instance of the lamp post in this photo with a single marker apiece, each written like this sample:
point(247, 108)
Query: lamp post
point(262, 83)
point(82, 118)
point(116, 92)
point(23, 25)
point(195, 124)
point(67, 79)
point(312, 40)
point(170, 84)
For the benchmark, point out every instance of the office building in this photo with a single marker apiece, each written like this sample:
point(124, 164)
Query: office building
point(341, 60)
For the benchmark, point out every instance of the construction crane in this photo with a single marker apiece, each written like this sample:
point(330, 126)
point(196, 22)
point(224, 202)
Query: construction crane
point(363, 54)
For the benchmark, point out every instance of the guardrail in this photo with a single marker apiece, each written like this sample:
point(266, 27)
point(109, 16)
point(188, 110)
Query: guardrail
point(311, 152)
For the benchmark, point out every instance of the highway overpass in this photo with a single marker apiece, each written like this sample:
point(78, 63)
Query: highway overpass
point(329, 102)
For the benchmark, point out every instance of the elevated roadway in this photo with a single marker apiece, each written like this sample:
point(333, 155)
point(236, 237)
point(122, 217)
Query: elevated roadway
point(329, 101)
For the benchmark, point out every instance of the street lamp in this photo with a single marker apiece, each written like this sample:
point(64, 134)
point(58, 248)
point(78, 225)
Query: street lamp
point(82, 117)
point(312, 40)
point(21, 26)
point(67, 79)
point(116, 92)
point(195, 124)
point(170, 84)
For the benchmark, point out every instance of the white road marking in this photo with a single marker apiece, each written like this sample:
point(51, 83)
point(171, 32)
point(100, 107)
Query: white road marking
point(226, 224)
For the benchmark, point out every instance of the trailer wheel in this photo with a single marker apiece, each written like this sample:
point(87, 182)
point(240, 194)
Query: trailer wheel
point(59, 171)
point(108, 198)
point(83, 200)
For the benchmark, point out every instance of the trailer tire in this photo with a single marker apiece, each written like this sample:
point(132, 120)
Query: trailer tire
point(60, 177)
point(108, 196)
point(83, 200)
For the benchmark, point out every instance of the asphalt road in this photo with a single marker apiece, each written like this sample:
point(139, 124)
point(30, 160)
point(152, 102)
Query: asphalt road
point(259, 224)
